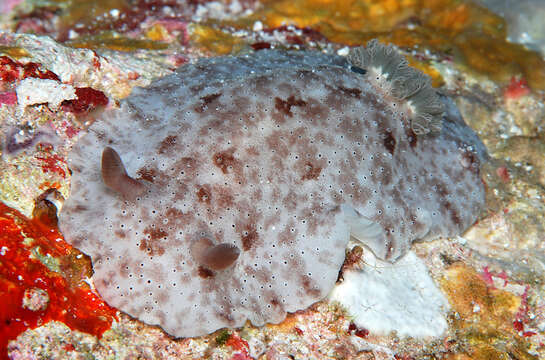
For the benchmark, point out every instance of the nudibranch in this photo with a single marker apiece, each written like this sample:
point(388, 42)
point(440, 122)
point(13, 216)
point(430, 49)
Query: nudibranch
point(229, 190)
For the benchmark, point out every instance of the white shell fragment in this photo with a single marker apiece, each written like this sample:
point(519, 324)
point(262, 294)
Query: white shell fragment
point(276, 158)
point(401, 297)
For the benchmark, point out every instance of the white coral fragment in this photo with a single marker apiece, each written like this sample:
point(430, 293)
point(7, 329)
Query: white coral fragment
point(31, 91)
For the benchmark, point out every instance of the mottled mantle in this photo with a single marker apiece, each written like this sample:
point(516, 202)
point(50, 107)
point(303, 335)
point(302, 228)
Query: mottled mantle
point(283, 155)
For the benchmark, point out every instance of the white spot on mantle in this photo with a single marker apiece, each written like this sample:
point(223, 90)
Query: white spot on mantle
point(401, 297)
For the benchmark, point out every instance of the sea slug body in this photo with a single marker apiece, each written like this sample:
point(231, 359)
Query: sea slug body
point(229, 190)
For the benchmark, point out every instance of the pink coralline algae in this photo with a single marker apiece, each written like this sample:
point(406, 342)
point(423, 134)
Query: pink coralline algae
point(229, 190)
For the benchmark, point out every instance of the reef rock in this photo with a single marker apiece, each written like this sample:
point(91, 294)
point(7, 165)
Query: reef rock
point(229, 190)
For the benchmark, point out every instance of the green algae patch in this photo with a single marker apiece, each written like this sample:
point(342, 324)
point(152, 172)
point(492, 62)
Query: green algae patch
point(113, 42)
point(222, 337)
point(500, 60)
point(84, 13)
point(13, 52)
point(483, 316)
point(214, 40)
point(474, 36)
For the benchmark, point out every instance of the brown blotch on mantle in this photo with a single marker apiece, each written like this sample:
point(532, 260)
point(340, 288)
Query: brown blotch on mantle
point(284, 106)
